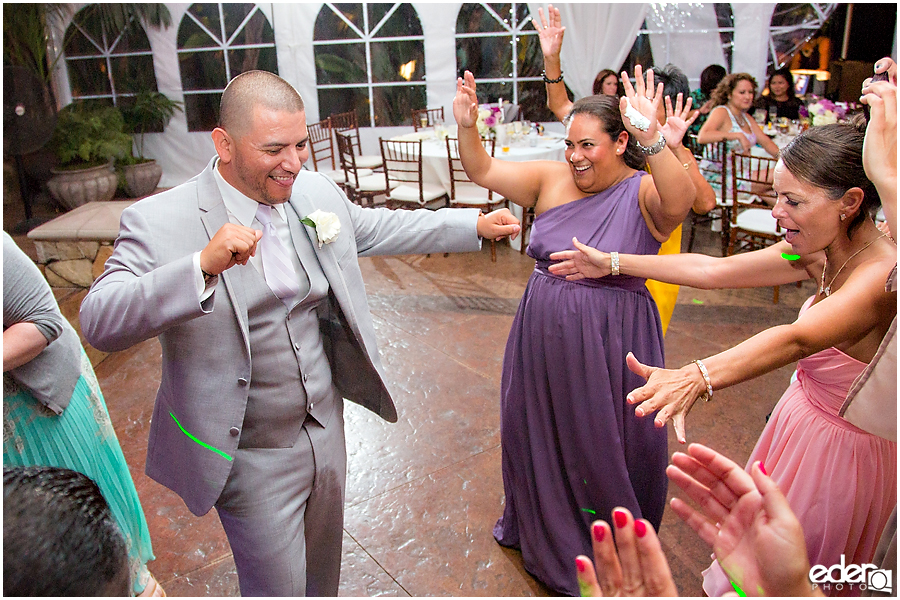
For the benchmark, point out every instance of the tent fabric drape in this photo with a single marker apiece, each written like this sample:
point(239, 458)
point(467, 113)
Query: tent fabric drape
point(598, 36)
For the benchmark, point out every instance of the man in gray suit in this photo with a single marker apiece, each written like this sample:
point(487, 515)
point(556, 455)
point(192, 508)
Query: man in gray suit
point(262, 332)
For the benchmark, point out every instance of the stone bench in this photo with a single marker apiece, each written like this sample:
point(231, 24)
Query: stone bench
point(72, 248)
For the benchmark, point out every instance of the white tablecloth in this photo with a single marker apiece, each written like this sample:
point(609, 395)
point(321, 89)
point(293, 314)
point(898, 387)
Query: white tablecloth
point(436, 169)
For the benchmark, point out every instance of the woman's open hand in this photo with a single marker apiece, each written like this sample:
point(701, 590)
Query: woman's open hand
point(550, 31)
point(582, 262)
point(746, 520)
point(465, 104)
point(671, 392)
point(677, 120)
point(644, 99)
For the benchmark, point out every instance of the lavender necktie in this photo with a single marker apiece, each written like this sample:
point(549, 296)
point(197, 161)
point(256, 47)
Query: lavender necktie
point(277, 266)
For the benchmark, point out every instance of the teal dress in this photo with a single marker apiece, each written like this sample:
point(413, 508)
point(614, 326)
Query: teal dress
point(53, 412)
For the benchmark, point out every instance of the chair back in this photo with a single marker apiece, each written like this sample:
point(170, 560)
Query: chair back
point(751, 181)
point(347, 157)
point(347, 123)
point(321, 145)
point(403, 175)
point(463, 191)
point(423, 118)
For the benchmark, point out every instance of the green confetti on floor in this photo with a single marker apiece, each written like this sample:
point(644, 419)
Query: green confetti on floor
point(695, 301)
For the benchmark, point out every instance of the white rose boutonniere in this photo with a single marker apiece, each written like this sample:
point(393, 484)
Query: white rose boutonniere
point(326, 224)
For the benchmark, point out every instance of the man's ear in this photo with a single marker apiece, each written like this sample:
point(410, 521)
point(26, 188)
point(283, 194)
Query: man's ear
point(224, 144)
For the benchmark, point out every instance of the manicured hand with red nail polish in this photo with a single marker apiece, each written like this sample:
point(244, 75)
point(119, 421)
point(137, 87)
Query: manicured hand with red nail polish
point(632, 565)
point(746, 520)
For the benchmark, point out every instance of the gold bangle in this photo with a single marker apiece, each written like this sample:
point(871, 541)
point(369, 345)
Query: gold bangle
point(614, 263)
point(709, 390)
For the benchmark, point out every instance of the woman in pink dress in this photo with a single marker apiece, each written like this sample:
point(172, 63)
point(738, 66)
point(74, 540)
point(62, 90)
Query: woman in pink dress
point(839, 480)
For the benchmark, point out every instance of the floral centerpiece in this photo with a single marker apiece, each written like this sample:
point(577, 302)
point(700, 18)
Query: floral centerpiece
point(822, 111)
point(489, 117)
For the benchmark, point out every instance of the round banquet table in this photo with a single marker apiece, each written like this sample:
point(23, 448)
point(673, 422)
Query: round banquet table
point(436, 169)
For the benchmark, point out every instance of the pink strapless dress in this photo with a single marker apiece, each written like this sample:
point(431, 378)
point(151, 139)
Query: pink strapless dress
point(839, 480)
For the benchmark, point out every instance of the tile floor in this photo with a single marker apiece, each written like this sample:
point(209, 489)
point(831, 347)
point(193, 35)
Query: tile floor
point(423, 494)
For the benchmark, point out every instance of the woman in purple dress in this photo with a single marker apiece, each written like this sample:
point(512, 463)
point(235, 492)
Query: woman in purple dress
point(572, 447)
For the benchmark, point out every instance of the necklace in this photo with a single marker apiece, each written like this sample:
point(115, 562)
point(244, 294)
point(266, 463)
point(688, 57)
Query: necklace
point(826, 290)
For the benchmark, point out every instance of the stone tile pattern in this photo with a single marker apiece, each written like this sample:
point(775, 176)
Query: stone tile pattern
point(424, 493)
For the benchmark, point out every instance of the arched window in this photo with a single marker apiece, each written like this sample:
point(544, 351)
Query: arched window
point(791, 26)
point(104, 67)
point(370, 57)
point(500, 46)
point(216, 42)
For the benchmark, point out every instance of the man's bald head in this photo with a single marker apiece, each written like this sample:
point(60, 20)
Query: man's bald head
point(250, 89)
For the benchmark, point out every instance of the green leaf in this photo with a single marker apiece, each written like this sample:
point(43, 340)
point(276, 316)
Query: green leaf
point(309, 222)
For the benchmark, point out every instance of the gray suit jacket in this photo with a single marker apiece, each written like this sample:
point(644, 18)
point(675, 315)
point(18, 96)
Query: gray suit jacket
point(148, 289)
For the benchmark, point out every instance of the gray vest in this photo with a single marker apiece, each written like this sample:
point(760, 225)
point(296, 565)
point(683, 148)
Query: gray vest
point(290, 374)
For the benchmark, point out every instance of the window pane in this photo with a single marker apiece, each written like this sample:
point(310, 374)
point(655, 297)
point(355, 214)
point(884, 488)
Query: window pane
point(202, 70)
point(132, 74)
point(504, 11)
point(202, 111)
point(262, 59)
point(533, 101)
point(474, 18)
point(487, 57)
point(341, 63)
point(523, 17)
point(134, 39)
point(393, 105)
point(344, 100)
point(78, 44)
point(208, 14)
point(235, 15)
point(640, 54)
point(257, 31)
point(331, 27)
point(190, 36)
point(404, 21)
point(389, 57)
point(531, 61)
point(88, 77)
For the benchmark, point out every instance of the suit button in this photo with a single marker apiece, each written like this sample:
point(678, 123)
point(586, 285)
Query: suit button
point(242, 382)
point(234, 431)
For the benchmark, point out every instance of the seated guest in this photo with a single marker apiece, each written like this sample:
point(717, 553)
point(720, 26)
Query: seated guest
point(729, 121)
point(59, 536)
point(781, 95)
point(709, 79)
point(838, 479)
point(606, 83)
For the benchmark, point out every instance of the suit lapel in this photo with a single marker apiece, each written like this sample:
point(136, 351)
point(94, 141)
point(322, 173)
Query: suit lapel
point(214, 215)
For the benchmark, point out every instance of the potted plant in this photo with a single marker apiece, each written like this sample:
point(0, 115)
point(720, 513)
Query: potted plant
point(151, 111)
point(87, 139)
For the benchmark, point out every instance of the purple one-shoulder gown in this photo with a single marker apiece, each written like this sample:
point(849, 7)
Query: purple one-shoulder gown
point(572, 447)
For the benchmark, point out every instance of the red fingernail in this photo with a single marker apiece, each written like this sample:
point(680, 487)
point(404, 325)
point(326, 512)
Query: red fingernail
point(620, 518)
point(762, 468)
point(599, 532)
point(580, 564)
point(640, 528)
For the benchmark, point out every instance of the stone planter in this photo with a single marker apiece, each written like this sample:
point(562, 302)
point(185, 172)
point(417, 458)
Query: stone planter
point(73, 188)
point(141, 179)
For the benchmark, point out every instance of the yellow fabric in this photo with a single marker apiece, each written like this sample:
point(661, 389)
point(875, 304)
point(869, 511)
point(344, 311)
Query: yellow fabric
point(665, 294)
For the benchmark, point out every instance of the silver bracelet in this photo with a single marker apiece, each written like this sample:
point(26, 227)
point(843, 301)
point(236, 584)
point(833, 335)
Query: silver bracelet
point(614, 263)
point(709, 391)
point(656, 148)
